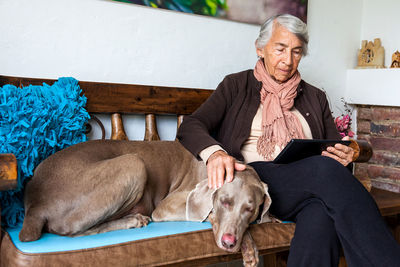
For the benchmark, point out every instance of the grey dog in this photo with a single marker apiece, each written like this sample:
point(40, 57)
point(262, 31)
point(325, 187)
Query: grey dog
point(99, 186)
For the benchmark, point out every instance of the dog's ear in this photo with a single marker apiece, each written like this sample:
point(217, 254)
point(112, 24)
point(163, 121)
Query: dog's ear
point(265, 217)
point(199, 202)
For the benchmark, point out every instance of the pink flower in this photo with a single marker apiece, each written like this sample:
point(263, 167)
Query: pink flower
point(343, 123)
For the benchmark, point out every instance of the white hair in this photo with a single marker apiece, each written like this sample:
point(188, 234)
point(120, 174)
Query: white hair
point(291, 23)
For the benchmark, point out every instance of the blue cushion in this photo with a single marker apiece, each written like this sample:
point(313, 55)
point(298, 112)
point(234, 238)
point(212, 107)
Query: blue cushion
point(55, 243)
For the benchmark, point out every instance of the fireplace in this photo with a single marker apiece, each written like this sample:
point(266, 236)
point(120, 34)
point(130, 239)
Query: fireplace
point(380, 125)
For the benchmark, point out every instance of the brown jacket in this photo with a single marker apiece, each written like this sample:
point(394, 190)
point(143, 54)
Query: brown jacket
point(226, 117)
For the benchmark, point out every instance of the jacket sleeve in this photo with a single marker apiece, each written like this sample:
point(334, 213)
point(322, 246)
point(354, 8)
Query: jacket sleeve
point(331, 131)
point(330, 128)
point(196, 131)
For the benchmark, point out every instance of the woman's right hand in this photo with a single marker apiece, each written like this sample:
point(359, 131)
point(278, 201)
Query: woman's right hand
point(221, 166)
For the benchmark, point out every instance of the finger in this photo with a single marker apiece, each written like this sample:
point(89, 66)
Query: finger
point(210, 176)
point(343, 148)
point(240, 166)
point(346, 154)
point(336, 152)
point(229, 172)
point(214, 177)
point(220, 177)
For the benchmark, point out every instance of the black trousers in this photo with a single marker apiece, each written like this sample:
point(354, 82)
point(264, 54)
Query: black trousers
point(331, 209)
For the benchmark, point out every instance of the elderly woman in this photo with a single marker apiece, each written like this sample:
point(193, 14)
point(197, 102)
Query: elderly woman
point(252, 115)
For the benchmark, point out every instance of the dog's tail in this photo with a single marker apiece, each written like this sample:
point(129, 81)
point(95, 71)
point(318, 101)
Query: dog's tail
point(31, 228)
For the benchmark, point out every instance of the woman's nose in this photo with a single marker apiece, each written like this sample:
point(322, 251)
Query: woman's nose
point(288, 58)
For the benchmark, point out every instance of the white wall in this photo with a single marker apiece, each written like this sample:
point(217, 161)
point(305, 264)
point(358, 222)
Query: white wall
point(99, 40)
point(110, 41)
point(334, 28)
point(381, 87)
point(381, 20)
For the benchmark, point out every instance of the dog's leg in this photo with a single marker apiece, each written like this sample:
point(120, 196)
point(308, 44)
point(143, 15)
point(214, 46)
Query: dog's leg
point(32, 227)
point(249, 251)
point(127, 222)
point(171, 208)
point(105, 191)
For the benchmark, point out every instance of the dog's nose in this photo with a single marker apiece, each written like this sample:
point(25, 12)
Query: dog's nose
point(228, 241)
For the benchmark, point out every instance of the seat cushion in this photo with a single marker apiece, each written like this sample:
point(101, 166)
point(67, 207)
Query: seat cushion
point(159, 243)
point(56, 243)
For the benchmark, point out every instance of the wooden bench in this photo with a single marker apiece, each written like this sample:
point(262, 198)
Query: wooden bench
point(273, 240)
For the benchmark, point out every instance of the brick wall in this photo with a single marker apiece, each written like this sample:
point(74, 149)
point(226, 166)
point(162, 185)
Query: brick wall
point(381, 127)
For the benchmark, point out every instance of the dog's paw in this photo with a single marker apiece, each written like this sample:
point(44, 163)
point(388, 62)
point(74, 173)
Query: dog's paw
point(249, 251)
point(250, 261)
point(137, 220)
point(250, 257)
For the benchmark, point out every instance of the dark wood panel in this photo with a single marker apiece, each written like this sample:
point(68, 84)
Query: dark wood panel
point(130, 98)
point(21, 81)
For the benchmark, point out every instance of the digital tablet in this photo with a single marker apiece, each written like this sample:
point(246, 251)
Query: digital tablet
point(298, 149)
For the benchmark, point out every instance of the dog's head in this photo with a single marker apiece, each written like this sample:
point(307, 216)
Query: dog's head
point(230, 208)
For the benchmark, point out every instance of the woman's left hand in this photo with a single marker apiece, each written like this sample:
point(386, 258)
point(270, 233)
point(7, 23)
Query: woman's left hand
point(342, 153)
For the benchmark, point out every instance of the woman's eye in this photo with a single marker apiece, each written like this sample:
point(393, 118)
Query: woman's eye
point(297, 53)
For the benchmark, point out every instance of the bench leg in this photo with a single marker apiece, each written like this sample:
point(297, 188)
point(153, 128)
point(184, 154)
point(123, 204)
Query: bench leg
point(342, 262)
point(278, 259)
point(393, 222)
point(397, 228)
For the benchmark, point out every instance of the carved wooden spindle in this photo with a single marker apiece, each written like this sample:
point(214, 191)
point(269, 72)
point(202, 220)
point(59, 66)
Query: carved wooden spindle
point(180, 120)
point(117, 128)
point(151, 133)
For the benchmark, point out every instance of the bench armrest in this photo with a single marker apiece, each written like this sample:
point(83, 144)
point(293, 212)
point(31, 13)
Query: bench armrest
point(8, 172)
point(362, 149)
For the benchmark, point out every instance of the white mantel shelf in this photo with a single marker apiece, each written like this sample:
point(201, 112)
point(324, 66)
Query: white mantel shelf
point(379, 87)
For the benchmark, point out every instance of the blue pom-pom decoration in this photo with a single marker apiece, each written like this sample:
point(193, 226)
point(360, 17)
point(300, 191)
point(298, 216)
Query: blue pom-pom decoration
point(35, 122)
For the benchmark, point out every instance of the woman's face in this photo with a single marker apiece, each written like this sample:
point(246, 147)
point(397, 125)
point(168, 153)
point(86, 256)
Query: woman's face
point(281, 54)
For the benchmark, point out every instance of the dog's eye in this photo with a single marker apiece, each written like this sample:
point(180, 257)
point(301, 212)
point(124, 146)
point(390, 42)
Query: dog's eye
point(226, 204)
point(248, 209)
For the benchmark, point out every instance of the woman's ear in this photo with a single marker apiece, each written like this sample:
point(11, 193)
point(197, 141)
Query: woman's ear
point(259, 51)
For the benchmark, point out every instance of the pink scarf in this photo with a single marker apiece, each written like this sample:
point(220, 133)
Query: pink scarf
point(279, 125)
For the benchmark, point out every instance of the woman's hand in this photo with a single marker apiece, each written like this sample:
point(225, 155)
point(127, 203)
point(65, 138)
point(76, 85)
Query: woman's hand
point(220, 166)
point(342, 153)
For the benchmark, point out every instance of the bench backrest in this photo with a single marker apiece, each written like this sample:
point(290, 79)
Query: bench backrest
point(117, 99)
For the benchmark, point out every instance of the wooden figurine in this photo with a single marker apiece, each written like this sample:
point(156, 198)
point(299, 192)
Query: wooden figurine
point(395, 60)
point(371, 54)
